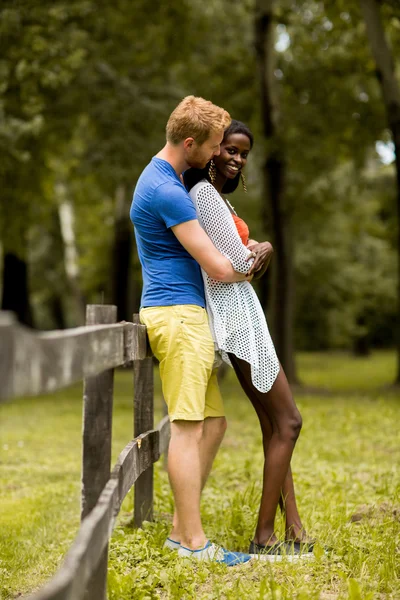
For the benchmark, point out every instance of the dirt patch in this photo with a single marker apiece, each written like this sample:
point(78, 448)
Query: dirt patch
point(376, 512)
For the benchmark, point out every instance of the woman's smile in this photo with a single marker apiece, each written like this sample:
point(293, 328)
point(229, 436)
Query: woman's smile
point(233, 169)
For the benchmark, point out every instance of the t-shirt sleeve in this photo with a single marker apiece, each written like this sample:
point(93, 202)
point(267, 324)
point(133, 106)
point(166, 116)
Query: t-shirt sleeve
point(173, 205)
point(217, 222)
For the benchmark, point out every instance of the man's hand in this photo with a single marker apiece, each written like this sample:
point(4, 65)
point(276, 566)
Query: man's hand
point(262, 253)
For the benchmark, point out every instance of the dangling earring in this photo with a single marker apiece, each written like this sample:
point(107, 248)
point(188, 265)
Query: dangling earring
point(212, 171)
point(243, 182)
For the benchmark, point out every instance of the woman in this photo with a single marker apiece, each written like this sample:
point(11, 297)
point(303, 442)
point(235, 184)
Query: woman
point(241, 334)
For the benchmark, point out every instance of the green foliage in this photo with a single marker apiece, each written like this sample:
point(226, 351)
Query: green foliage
point(346, 264)
point(86, 89)
point(43, 49)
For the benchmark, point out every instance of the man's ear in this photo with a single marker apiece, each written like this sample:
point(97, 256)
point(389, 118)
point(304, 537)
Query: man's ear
point(188, 143)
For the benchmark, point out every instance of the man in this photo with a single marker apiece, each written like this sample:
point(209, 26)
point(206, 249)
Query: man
point(171, 246)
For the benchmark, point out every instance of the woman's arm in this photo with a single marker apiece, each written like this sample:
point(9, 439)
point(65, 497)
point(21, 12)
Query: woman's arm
point(217, 222)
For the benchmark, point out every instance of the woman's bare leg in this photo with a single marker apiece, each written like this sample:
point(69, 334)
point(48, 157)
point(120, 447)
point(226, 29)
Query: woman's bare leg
point(287, 501)
point(294, 529)
point(280, 424)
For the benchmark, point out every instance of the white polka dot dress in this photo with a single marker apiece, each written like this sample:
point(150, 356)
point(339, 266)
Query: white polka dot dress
point(236, 317)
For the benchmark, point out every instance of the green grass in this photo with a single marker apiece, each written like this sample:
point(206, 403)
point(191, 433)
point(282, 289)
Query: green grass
point(342, 372)
point(346, 463)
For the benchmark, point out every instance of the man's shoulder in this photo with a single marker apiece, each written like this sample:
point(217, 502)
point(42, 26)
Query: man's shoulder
point(169, 188)
point(151, 187)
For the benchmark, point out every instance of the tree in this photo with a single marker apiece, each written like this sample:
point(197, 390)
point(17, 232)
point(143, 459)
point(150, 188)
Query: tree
point(79, 70)
point(385, 73)
point(129, 92)
point(42, 50)
point(275, 185)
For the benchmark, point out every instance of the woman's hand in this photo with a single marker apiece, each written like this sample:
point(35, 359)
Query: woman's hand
point(262, 253)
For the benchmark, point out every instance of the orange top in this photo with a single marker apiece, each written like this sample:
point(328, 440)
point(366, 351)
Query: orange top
point(242, 228)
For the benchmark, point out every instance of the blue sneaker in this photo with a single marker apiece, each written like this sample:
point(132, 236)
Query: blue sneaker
point(215, 553)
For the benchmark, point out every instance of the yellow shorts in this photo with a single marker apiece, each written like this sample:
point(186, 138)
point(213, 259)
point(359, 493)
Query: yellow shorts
point(180, 338)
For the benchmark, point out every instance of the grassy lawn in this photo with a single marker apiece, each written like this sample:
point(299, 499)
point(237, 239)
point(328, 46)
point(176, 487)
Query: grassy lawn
point(346, 469)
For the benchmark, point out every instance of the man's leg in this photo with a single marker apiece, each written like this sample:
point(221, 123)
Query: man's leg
point(214, 426)
point(213, 432)
point(180, 338)
point(185, 474)
point(212, 435)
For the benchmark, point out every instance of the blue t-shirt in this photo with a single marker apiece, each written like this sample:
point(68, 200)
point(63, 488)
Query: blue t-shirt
point(170, 274)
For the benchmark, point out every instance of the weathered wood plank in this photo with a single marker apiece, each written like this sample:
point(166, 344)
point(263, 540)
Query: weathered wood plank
point(35, 363)
point(136, 457)
point(70, 581)
point(164, 427)
point(136, 343)
point(143, 420)
point(96, 456)
point(165, 453)
point(97, 420)
point(8, 323)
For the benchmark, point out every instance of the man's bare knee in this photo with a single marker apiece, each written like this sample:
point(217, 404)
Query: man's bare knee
point(215, 426)
point(189, 430)
point(222, 425)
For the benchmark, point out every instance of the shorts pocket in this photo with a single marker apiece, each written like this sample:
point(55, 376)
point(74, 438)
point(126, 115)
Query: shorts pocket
point(192, 315)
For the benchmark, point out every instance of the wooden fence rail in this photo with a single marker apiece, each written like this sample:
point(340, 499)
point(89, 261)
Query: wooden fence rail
point(33, 363)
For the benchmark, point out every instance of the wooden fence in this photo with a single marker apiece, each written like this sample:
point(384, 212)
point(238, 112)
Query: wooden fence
point(35, 363)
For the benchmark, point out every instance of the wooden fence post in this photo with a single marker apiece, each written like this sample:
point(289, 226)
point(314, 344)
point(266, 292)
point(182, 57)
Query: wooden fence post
point(8, 322)
point(143, 420)
point(165, 459)
point(97, 431)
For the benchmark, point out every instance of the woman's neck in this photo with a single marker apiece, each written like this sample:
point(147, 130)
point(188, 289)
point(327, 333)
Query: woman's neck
point(219, 182)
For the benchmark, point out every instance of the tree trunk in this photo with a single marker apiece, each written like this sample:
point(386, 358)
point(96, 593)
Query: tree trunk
point(276, 216)
point(385, 72)
point(121, 260)
point(263, 286)
point(66, 222)
point(57, 311)
point(361, 341)
point(16, 289)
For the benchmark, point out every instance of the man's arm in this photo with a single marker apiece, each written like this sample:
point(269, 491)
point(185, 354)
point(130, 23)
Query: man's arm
point(194, 239)
point(216, 220)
